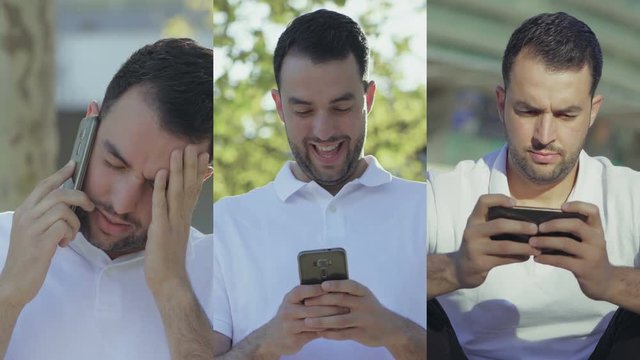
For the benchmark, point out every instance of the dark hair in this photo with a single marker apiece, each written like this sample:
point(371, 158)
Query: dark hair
point(322, 35)
point(560, 40)
point(178, 78)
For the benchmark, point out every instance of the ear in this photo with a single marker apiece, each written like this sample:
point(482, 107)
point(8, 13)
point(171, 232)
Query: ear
point(275, 95)
point(501, 96)
point(370, 95)
point(93, 109)
point(595, 107)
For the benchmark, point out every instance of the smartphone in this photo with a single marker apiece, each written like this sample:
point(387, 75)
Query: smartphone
point(533, 215)
point(316, 266)
point(82, 152)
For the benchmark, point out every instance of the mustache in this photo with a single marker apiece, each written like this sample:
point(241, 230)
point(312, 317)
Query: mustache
point(536, 145)
point(108, 208)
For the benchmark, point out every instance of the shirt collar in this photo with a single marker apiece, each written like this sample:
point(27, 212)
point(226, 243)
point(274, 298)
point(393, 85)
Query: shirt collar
point(587, 187)
point(286, 184)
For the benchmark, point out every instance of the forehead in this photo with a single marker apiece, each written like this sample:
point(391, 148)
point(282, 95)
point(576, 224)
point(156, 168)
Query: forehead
point(302, 77)
point(532, 81)
point(133, 127)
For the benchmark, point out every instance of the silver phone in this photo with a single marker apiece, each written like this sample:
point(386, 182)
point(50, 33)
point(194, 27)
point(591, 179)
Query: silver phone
point(316, 266)
point(82, 152)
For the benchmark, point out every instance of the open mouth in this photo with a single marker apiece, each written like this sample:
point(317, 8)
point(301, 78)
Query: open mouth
point(327, 153)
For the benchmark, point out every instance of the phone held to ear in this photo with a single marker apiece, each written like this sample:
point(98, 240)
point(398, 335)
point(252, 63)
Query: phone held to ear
point(82, 152)
point(533, 215)
point(316, 266)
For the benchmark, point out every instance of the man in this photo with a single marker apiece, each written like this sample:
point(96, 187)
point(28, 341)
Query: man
point(331, 196)
point(507, 299)
point(119, 281)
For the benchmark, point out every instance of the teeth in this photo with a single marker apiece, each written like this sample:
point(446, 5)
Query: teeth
point(327, 148)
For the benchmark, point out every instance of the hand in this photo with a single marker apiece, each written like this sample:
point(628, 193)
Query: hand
point(367, 322)
point(172, 208)
point(40, 224)
point(288, 331)
point(588, 259)
point(478, 254)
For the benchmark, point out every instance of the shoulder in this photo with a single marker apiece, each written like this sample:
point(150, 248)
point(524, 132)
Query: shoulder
point(465, 175)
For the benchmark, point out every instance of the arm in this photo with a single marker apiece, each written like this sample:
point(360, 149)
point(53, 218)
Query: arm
point(8, 316)
point(469, 266)
point(41, 223)
point(186, 325)
point(185, 322)
point(441, 275)
point(285, 334)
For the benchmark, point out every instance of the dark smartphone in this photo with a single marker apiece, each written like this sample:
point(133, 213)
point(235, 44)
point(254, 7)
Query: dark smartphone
point(533, 215)
point(316, 266)
point(82, 152)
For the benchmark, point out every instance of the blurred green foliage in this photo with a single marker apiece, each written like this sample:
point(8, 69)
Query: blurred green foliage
point(250, 143)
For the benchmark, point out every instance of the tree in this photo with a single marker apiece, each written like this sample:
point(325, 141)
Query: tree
point(250, 144)
point(28, 132)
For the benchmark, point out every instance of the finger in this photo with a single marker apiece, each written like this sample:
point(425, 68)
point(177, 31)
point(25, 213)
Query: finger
point(305, 311)
point(159, 197)
point(63, 196)
point(49, 184)
point(564, 262)
point(345, 286)
point(301, 292)
point(568, 245)
point(510, 248)
point(176, 181)
point(340, 334)
point(59, 211)
point(334, 299)
point(506, 226)
point(191, 175)
point(331, 322)
point(479, 213)
point(56, 233)
point(570, 226)
point(68, 237)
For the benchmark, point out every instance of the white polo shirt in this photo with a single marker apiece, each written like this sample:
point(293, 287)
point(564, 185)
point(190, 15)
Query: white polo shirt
point(529, 310)
point(378, 219)
point(91, 307)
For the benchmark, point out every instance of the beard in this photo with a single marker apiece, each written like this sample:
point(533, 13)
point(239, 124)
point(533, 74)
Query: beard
point(133, 242)
point(524, 165)
point(343, 175)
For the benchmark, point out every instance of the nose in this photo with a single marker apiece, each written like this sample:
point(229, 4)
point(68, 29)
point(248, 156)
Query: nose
point(545, 132)
point(323, 126)
point(126, 194)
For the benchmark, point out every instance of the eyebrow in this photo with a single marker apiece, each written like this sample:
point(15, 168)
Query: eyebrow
point(344, 97)
point(525, 106)
point(114, 151)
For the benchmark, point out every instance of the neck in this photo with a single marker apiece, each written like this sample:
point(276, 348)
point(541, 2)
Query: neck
point(333, 189)
point(551, 195)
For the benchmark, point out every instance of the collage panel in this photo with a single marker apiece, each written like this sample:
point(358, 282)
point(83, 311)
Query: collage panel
point(533, 183)
point(106, 142)
point(319, 194)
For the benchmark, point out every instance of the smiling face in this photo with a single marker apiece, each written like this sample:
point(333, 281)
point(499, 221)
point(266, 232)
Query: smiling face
point(324, 107)
point(546, 115)
point(130, 147)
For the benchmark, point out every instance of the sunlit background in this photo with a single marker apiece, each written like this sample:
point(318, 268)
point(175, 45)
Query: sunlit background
point(466, 41)
point(250, 143)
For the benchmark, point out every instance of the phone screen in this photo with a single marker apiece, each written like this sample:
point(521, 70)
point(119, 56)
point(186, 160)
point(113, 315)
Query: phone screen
point(316, 266)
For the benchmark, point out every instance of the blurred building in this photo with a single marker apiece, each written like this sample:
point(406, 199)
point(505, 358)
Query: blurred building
point(465, 43)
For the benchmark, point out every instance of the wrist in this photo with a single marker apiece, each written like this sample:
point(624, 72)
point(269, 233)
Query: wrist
point(175, 286)
point(409, 340)
point(8, 303)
